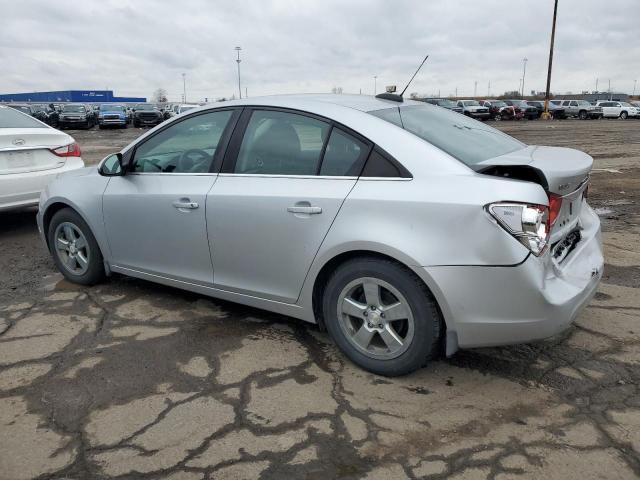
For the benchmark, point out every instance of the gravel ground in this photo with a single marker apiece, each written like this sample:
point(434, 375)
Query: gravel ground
point(134, 380)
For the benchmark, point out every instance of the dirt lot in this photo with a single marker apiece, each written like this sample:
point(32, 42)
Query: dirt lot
point(135, 380)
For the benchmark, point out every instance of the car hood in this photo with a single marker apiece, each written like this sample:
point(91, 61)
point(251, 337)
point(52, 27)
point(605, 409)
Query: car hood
point(564, 169)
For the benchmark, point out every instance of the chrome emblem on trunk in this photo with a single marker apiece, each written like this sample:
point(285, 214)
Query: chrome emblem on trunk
point(18, 141)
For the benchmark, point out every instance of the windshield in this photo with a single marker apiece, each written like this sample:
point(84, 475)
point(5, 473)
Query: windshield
point(626, 104)
point(145, 107)
point(471, 103)
point(468, 140)
point(73, 108)
point(112, 108)
point(498, 103)
point(9, 118)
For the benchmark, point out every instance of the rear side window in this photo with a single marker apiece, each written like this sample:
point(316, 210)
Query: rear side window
point(344, 155)
point(281, 143)
point(463, 138)
point(10, 118)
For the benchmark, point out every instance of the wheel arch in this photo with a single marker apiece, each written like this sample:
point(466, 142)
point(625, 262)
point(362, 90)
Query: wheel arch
point(54, 206)
point(330, 264)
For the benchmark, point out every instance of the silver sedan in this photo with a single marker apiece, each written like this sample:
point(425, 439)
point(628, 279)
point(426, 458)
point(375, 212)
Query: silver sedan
point(404, 229)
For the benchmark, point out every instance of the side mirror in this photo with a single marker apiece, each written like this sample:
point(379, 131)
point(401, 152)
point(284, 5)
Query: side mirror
point(112, 166)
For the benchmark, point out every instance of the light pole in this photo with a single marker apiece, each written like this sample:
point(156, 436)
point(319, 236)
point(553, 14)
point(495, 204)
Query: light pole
point(238, 60)
point(475, 89)
point(596, 85)
point(524, 72)
point(375, 84)
point(634, 88)
point(546, 115)
point(184, 87)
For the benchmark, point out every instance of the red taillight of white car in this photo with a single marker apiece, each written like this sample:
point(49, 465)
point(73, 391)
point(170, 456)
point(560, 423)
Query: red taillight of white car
point(529, 224)
point(71, 150)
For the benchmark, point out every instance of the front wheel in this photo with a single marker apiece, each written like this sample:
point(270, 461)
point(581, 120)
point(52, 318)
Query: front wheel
point(74, 248)
point(381, 316)
point(624, 115)
point(582, 115)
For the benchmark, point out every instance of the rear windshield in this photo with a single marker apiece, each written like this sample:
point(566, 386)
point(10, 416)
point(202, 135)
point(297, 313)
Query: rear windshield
point(461, 137)
point(10, 118)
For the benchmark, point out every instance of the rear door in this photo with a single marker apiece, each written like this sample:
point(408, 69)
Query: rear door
point(284, 179)
point(155, 215)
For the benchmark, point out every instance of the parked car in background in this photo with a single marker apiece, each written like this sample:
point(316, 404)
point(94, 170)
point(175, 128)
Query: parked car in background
point(473, 109)
point(444, 103)
point(478, 239)
point(523, 108)
point(146, 114)
point(498, 109)
point(75, 115)
point(184, 108)
point(111, 115)
point(580, 109)
point(31, 155)
point(614, 109)
point(554, 110)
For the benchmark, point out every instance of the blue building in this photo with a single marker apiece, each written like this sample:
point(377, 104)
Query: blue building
point(80, 96)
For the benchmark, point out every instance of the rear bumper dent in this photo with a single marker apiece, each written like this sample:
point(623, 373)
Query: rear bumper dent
point(490, 306)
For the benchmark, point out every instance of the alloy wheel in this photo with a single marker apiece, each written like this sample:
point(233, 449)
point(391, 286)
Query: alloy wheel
point(376, 318)
point(72, 248)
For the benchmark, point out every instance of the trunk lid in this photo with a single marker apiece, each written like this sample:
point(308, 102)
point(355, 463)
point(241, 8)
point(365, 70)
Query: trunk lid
point(27, 150)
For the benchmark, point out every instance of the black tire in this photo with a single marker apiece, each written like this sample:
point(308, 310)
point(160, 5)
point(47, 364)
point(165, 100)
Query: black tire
point(427, 321)
point(101, 127)
point(583, 115)
point(95, 271)
point(624, 115)
point(136, 124)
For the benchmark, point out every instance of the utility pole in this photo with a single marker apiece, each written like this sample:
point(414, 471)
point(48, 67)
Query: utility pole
point(475, 89)
point(238, 60)
point(456, 92)
point(545, 114)
point(524, 72)
point(634, 88)
point(609, 89)
point(184, 88)
point(375, 84)
point(489, 89)
point(596, 84)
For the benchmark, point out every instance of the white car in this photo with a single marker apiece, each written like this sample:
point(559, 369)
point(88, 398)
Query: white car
point(31, 155)
point(615, 109)
point(472, 108)
point(178, 109)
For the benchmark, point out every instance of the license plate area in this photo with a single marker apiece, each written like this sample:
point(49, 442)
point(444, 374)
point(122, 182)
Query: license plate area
point(564, 247)
point(17, 160)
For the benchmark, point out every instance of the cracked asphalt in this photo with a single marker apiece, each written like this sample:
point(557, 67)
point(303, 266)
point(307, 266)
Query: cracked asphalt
point(135, 380)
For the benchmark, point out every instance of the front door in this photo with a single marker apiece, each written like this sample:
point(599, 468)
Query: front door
point(269, 212)
point(155, 216)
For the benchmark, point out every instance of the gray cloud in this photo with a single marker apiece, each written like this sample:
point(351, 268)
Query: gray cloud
point(288, 46)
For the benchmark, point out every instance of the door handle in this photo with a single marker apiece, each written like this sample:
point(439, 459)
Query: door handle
point(309, 210)
point(185, 204)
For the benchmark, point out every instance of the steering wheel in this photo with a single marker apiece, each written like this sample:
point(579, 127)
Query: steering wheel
point(186, 162)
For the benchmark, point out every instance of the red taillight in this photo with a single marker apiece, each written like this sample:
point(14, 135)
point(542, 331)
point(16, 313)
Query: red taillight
point(555, 204)
point(71, 150)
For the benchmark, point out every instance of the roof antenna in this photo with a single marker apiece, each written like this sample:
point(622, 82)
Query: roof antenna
point(394, 97)
point(414, 76)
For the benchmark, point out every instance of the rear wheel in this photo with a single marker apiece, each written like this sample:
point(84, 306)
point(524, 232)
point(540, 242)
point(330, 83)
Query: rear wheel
point(624, 115)
point(381, 316)
point(74, 248)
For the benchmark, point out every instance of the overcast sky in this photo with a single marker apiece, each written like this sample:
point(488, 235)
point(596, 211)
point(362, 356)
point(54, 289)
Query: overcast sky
point(293, 46)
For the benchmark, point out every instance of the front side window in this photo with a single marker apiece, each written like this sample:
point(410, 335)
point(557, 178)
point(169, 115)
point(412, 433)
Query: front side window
point(463, 138)
point(281, 143)
point(188, 146)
